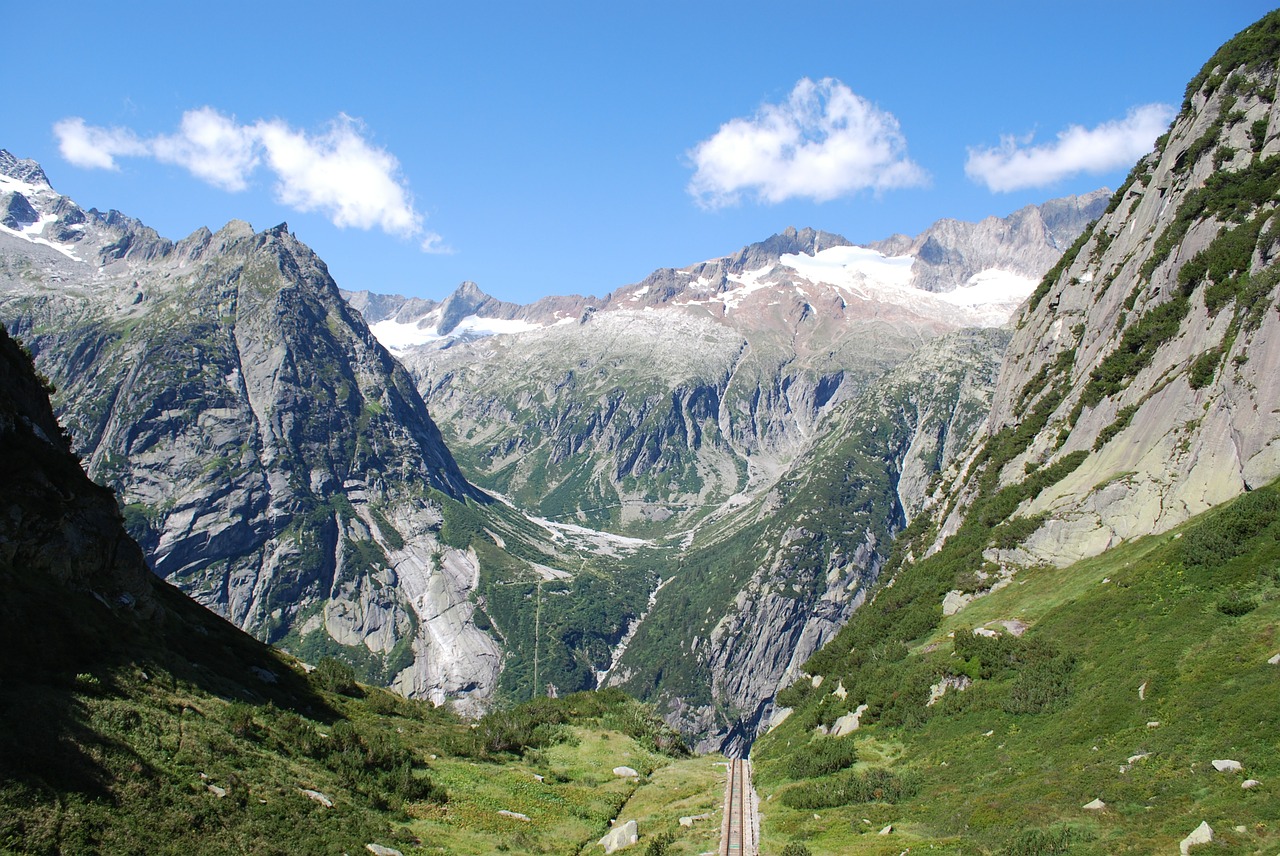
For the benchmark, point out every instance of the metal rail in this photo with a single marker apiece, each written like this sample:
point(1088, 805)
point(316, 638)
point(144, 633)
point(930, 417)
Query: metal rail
point(737, 832)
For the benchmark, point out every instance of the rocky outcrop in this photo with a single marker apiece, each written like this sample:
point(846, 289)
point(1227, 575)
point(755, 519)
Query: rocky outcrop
point(1151, 351)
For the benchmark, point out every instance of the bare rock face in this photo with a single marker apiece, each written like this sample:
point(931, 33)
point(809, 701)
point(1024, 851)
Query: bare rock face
point(273, 460)
point(817, 541)
point(1152, 350)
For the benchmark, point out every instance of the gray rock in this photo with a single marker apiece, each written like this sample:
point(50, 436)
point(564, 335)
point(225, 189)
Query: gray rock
point(514, 815)
point(381, 850)
point(1250, 784)
point(317, 796)
point(1226, 765)
point(1094, 805)
point(625, 772)
point(621, 836)
point(216, 791)
point(848, 723)
point(1202, 834)
point(689, 820)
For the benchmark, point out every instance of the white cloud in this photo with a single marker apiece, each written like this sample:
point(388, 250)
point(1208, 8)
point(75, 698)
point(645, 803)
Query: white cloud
point(823, 142)
point(337, 172)
point(95, 148)
point(1016, 164)
point(212, 147)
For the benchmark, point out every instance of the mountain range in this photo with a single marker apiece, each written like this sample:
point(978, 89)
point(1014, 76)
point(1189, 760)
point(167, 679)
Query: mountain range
point(970, 537)
point(278, 464)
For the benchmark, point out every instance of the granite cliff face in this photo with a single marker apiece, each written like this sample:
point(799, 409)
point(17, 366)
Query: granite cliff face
point(272, 459)
point(1151, 352)
point(794, 564)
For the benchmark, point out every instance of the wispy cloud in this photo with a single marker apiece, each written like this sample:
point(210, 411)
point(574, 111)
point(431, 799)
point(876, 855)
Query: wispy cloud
point(1017, 164)
point(336, 172)
point(823, 142)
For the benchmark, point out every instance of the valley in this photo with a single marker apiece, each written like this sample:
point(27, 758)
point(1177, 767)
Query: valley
point(967, 541)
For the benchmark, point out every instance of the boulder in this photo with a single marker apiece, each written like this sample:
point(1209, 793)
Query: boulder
point(514, 815)
point(323, 799)
point(622, 835)
point(625, 772)
point(1202, 834)
point(216, 791)
point(1094, 805)
point(1250, 784)
point(1275, 661)
point(954, 602)
point(1226, 765)
point(1142, 691)
point(848, 723)
point(380, 850)
point(887, 830)
point(840, 692)
point(950, 682)
point(689, 820)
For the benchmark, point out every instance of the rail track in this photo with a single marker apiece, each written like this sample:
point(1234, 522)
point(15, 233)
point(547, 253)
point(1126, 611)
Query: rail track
point(737, 830)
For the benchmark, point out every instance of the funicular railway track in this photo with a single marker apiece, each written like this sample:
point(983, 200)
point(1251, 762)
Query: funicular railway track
point(737, 831)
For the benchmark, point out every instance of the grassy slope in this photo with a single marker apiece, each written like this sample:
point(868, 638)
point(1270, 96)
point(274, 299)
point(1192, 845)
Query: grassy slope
point(120, 759)
point(1148, 612)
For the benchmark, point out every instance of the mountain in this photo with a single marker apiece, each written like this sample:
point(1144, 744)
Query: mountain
point(134, 720)
point(277, 464)
point(759, 590)
point(1150, 352)
point(646, 410)
point(1072, 647)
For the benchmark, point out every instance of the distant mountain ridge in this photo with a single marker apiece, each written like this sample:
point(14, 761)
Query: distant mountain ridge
point(944, 258)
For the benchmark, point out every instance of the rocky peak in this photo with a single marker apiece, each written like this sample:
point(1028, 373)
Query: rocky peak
point(24, 170)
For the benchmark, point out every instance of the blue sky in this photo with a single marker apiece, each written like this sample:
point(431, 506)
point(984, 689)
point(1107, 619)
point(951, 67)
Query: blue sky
point(574, 147)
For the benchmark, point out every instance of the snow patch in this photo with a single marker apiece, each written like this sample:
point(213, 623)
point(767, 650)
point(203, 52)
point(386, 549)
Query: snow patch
point(399, 336)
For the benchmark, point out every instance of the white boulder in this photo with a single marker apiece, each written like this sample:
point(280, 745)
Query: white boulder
point(621, 836)
point(848, 723)
point(1226, 765)
point(625, 772)
point(1202, 834)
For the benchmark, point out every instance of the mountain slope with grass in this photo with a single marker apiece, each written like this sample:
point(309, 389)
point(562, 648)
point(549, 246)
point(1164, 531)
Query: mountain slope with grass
point(1080, 629)
point(1121, 678)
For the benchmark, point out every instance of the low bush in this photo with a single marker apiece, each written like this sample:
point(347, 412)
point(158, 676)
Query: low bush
point(822, 757)
point(874, 785)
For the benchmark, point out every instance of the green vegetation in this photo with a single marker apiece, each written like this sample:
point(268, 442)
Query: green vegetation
point(1055, 718)
point(1250, 49)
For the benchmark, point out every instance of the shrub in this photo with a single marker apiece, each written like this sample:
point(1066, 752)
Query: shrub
point(660, 845)
point(335, 676)
point(238, 717)
point(1235, 603)
point(823, 756)
point(794, 849)
point(874, 785)
point(1040, 842)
